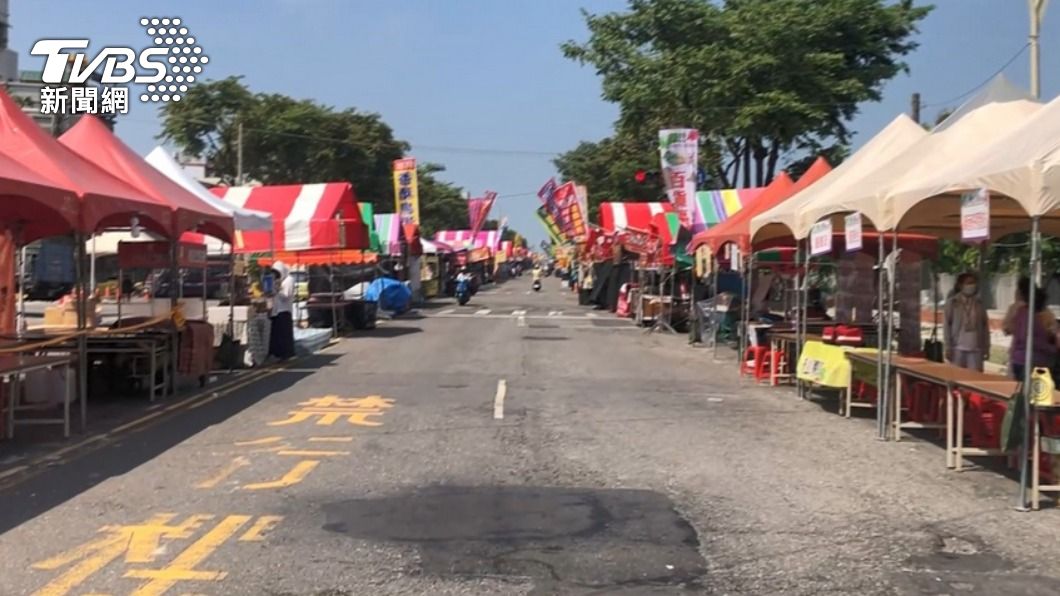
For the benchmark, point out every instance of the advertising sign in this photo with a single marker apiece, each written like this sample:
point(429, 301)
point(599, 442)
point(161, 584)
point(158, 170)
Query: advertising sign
point(406, 191)
point(821, 238)
point(679, 157)
point(852, 231)
point(975, 215)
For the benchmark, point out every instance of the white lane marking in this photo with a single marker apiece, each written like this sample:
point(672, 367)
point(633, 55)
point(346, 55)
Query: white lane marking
point(528, 292)
point(482, 313)
point(522, 321)
point(498, 399)
point(591, 315)
point(555, 313)
point(518, 313)
point(447, 311)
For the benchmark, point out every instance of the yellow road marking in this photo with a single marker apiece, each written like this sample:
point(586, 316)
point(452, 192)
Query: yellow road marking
point(183, 567)
point(138, 542)
point(256, 533)
point(297, 474)
point(312, 453)
point(224, 473)
point(265, 441)
point(330, 439)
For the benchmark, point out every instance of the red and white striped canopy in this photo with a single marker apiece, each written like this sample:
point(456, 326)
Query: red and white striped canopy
point(304, 216)
point(619, 216)
point(460, 239)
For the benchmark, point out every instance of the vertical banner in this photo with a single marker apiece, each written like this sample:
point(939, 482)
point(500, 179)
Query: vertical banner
point(570, 221)
point(679, 157)
point(975, 215)
point(406, 191)
point(483, 210)
point(821, 238)
point(549, 224)
point(547, 194)
point(852, 231)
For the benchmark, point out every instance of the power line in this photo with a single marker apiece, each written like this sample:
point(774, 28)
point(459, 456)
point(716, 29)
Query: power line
point(984, 83)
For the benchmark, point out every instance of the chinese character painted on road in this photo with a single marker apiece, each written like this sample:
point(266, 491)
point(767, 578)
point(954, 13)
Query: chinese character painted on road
point(311, 454)
point(139, 547)
point(330, 409)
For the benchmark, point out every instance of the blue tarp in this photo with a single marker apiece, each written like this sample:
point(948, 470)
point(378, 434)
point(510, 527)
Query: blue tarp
point(391, 294)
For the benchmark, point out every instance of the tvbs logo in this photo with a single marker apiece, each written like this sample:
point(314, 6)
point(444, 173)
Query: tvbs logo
point(167, 67)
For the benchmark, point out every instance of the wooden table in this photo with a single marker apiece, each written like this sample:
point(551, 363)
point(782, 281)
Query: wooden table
point(14, 367)
point(786, 339)
point(1002, 389)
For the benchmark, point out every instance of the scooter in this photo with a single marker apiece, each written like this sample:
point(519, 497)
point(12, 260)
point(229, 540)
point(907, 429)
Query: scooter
point(537, 285)
point(463, 291)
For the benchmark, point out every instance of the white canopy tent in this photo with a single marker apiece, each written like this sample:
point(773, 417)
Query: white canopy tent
point(872, 195)
point(1020, 168)
point(784, 219)
point(245, 219)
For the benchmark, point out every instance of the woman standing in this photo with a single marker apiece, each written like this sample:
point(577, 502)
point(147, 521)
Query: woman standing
point(967, 329)
point(281, 334)
point(1044, 331)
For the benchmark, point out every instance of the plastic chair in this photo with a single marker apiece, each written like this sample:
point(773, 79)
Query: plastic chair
point(754, 361)
point(778, 364)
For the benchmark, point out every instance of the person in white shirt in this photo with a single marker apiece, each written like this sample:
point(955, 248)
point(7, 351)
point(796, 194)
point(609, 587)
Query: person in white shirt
point(281, 336)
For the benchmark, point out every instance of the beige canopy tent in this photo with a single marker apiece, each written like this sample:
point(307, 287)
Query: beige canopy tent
point(783, 220)
point(1021, 169)
point(873, 195)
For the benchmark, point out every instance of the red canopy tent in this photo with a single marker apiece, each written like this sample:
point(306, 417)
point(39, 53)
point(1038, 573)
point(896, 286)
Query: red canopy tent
point(104, 200)
point(737, 229)
point(34, 206)
point(304, 216)
point(91, 139)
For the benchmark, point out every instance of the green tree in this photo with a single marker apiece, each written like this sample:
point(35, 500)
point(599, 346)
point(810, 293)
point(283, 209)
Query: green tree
point(758, 78)
point(297, 141)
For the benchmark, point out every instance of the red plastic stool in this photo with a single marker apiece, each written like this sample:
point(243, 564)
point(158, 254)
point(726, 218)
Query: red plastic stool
point(753, 362)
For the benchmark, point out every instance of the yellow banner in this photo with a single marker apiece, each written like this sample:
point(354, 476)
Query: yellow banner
point(406, 191)
point(826, 365)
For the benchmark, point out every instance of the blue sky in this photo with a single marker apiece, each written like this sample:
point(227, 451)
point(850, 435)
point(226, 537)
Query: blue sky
point(452, 75)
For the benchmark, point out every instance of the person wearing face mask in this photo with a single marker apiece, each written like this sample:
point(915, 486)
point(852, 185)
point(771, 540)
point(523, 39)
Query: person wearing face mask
point(966, 332)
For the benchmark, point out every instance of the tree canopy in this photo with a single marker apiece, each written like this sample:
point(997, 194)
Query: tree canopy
point(764, 81)
point(299, 141)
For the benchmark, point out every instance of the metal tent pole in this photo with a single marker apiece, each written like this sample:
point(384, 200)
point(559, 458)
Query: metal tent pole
point(888, 389)
point(232, 306)
point(21, 321)
point(82, 323)
point(805, 299)
point(714, 309)
point(881, 270)
point(798, 312)
point(1028, 362)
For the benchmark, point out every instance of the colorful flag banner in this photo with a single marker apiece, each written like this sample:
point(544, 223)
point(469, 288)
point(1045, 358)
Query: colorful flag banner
point(571, 222)
point(482, 212)
point(406, 191)
point(679, 157)
point(547, 194)
point(549, 225)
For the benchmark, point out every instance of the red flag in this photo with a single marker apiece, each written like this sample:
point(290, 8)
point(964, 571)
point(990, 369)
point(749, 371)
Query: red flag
point(478, 212)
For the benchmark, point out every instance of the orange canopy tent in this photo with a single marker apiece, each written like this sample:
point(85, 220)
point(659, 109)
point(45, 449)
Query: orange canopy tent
point(737, 229)
point(102, 199)
point(92, 140)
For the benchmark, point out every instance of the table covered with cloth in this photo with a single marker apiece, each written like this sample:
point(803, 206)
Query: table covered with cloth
point(826, 364)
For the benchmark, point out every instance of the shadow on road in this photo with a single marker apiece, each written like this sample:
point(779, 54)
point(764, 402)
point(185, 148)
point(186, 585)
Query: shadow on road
point(68, 478)
point(387, 332)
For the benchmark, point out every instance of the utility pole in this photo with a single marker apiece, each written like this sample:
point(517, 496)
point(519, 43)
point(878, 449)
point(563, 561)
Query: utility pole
point(914, 108)
point(239, 153)
point(1037, 9)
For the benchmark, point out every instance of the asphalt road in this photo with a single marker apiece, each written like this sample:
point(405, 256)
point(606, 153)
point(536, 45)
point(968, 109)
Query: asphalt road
point(518, 445)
